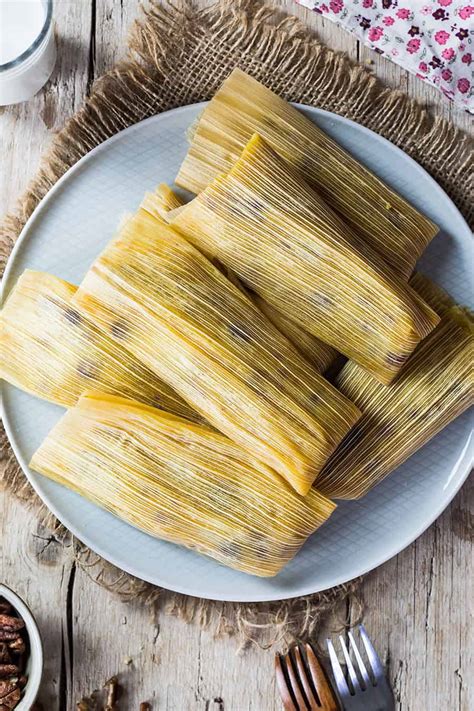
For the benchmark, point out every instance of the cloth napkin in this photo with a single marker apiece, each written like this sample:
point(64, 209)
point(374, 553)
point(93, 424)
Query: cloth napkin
point(433, 39)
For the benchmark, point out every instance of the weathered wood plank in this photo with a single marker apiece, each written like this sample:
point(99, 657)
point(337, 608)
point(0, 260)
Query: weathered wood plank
point(113, 19)
point(27, 128)
point(36, 566)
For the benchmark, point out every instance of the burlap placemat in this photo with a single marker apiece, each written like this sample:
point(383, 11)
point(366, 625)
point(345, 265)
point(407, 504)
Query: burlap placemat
point(178, 56)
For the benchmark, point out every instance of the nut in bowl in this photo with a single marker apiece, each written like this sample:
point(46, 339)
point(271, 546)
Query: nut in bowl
point(21, 653)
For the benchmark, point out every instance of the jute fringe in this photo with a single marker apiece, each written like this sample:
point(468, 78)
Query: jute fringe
point(178, 56)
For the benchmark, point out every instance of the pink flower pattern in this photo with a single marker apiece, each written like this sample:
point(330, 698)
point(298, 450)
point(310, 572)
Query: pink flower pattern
point(441, 37)
point(448, 53)
point(435, 40)
point(413, 46)
point(336, 6)
point(466, 12)
point(403, 13)
point(375, 33)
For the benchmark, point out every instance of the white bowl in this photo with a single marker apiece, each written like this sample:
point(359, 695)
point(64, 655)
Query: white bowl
point(34, 666)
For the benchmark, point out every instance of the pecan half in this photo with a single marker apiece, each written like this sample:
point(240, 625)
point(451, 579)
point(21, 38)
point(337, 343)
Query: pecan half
point(5, 636)
point(10, 701)
point(17, 645)
point(7, 686)
point(5, 657)
point(8, 623)
point(7, 670)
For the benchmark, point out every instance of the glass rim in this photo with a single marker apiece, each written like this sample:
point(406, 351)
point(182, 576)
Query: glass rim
point(36, 42)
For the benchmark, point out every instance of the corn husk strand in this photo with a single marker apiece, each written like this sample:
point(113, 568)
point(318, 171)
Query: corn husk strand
point(161, 201)
point(434, 295)
point(51, 350)
point(263, 222)
point(204, 337)
point(319, 354)
point(435, 387)
point(243, 106)
point(181, 482)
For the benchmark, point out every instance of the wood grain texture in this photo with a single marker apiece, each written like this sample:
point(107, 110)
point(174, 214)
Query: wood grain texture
point(418, 604)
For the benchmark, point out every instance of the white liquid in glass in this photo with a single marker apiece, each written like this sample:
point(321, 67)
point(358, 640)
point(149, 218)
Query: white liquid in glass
point(27, 48)
point(21, 22)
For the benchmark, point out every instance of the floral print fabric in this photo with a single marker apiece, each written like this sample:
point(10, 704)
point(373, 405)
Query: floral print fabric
point(434, 39)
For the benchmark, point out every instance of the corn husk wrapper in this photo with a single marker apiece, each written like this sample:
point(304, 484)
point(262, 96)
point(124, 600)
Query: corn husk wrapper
point(243, 106)
point(205, 338)
point(435, 386)
point(319, 354)
point(180, 481)
point(51, 350)
point(161, 201)
point(434, 295)
point(263, 222)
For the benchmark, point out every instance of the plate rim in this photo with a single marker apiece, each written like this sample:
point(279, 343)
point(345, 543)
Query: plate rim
point(461, 470)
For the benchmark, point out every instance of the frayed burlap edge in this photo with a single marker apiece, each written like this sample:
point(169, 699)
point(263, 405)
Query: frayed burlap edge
point(178, 56)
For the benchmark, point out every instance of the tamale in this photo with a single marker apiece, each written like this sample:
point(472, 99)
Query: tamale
point(210, 343)
point(319, 354)
point(181, 482)
point(434, 295)
point(262, 221)
point(161, 201)
point(54, 352)
point(243, 106)
point(434, 387)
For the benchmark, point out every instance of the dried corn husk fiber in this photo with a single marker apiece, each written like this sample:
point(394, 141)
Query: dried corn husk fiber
point(180, 481)
point(263, 222)
point(435, 386)
point(434, 295)
point(319, 354)
point(243, 106)
point(52, 351)
point(205, 338)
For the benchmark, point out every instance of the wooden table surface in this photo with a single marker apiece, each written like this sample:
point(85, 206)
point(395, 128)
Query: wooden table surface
point(419, 604)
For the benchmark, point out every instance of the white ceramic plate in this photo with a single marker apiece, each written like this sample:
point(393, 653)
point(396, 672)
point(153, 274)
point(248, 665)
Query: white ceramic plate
point(67, 231)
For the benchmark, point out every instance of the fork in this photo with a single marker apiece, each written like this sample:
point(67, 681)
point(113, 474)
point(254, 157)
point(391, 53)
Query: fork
point(302, 682)
point(367, 692)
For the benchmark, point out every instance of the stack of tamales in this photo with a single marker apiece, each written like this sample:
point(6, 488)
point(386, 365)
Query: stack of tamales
point(191, 355)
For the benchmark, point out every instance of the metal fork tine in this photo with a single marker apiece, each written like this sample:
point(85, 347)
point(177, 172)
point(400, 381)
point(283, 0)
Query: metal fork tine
point(320, 681)
point(374, 660)
point(339, 677)
point(350, 666)
point(303, 673)
point(282, 684)
point(363, 671)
